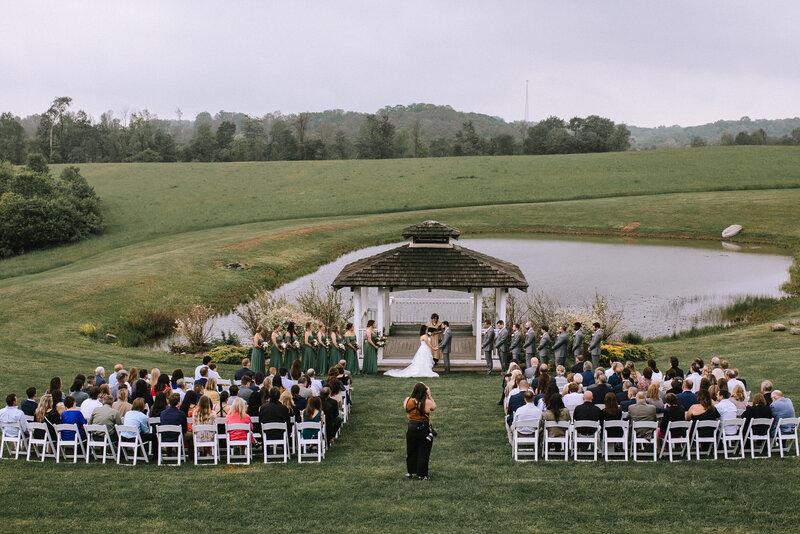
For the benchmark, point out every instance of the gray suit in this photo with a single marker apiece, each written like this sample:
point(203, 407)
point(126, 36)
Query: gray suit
point(444, 346)
point(560, 348)
point(594, 347)
point(516, 344)
point(501, 344)
point(577, 343)
point(487, 346)
point(544, 348)
point(529, 345)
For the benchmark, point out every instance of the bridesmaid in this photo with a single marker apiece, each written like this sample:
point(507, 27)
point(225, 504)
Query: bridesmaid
point(322, 352)
point(309, 354)
point(370, 366)
point(292, 353)
point(351, 349)
point(257, 361)
point(335, 352)
point(276, 354)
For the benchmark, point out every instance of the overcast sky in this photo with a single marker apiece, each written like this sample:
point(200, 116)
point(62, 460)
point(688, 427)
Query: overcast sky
point(639, 62)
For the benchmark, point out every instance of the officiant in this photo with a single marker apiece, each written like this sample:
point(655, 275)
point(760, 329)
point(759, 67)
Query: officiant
point(435, 332)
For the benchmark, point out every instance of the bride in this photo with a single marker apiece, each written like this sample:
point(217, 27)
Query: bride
point(422, 364)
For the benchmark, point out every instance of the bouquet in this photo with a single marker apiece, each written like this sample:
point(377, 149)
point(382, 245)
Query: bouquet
point(341, 346)
point(297, 344)
point(284, 345)
point(381, 341)
point(315, 343)
point(327, 344)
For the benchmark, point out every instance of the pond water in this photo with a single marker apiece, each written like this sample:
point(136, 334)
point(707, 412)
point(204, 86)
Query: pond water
point(662, 286)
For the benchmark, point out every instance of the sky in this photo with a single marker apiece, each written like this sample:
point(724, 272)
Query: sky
point(640, 62)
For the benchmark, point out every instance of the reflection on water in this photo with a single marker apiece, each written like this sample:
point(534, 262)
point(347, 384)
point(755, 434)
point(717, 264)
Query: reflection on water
point(663, 286)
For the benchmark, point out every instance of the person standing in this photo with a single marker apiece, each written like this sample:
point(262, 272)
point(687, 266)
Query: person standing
point(335, 353)
point(595, 344)
point(309, 354)
point(258, 351)
point(292, 352)
point(322, 351)
point(516, 341)
point(370, 365)
point(351, 349)
point(276, 351)
point(577, 340)
point(445, 344)
point(488, 345)
point(544, 345)
point(561, 345)
point(501, 344)
point(435, 332)
point(530, 343)
point(419, 436)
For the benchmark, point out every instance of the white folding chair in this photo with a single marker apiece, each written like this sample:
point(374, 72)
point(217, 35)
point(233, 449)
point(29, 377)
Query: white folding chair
point(590, 440)
point(731, 434)
point(753, 436)
point(29, 419)
point(46, 443)
point(293, 433)
point(76, 442)
point(705, 427)
point(682, 442)
point(136, 445)
point(199, 445)
point(615, 440)
point(19, 441)
point(224, 383)
point(282, 442)
point(649, 439)
point(97, 436)
point(222, 437)
point(237, 382)
point(163, 444)
point(556, 440)
point(232, 444)
point(781, 436)
point(526, 444)
point(305, 446)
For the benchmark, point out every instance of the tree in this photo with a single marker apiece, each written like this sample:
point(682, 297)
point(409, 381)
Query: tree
point(418, 147)
point(55, 113)
point(742, 138)
point(282, 144)
point(203, 143)
point(342, 148)
point(470, 141)
point(698, 141)
point(12, 139)
point(726, 139)
point(504, 145)
point(301, 124)
point(375, 138)
point(225, 133)
point(759, 137)
point(256, 137)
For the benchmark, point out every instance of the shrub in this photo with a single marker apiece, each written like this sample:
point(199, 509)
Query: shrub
point(145, 324)
point(229, 354)
point(195, 326)
point(226, 339)
point(251, 313)
point(635, 353)
point(632, 338)
point(87, 329)
point(328, 308)
point(283, 315)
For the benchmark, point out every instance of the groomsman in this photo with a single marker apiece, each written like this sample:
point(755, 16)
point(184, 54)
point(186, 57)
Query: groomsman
point(488, 345)
point(577, 340)
point(445, 344)
point(544, 345)
point(561, 345)
point(501, 344)
point(530, 343)
point(516, 341)
point(594, 344)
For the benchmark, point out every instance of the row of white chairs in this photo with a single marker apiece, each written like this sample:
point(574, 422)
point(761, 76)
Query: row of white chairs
point(683, 438)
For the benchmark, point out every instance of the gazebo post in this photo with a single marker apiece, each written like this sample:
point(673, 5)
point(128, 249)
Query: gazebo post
point(380, 320)
point(500, 294)
point(357, 313)
point(477, 311)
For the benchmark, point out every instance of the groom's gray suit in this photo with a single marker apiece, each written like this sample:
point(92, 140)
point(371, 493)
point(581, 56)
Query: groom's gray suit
point(444, 346)
point(487, 346)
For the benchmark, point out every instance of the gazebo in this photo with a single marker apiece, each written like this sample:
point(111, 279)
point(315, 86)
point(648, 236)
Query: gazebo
point(429, 262)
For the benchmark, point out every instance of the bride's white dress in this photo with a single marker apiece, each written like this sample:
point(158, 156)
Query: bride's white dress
point(421, 365)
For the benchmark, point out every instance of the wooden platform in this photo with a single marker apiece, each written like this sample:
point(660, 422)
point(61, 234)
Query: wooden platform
point(403, 343)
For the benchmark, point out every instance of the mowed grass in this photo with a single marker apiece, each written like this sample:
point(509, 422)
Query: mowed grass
point(172, 228)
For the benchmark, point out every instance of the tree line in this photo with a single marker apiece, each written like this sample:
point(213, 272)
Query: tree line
point(419, 130)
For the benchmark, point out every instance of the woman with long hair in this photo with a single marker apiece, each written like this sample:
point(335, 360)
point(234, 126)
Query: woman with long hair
point(292, 352)
point(295, 372)
point(312, 414)
point(121, 404)
point(211, 391)
point(177, 374)
point(335, 352)
point(611, 412)
point(309, 352)
point(556, 411)
point(370, 366)
point(238, 415)
point(159, 405)
point(351, 349)
point(322, 351)
point(419, 436)
point(276, 351)
point(204, 415)
point(286, 400)
point(46, 412)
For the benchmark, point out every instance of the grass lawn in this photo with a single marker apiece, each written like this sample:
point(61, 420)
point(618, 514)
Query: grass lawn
point(173, 227)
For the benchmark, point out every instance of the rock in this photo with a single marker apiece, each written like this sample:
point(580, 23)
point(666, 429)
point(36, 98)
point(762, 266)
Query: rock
point(778, 327)
point(794, 322)
point(732, 230)
point(795, 331)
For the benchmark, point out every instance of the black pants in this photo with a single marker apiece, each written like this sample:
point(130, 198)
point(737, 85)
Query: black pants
point(418, 449)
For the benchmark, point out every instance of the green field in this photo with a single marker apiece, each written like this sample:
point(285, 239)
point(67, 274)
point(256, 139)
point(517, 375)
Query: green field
point(172, 228)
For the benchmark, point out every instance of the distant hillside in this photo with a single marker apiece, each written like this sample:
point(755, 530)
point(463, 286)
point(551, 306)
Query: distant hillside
point(679, 136)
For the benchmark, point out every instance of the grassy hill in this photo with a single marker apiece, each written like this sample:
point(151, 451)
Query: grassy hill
point(172, 228)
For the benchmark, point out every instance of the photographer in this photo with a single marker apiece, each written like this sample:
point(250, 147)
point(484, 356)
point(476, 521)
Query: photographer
point(419, 437)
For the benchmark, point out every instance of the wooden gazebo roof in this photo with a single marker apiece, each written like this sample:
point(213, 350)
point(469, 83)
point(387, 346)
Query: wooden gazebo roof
point(431, 262)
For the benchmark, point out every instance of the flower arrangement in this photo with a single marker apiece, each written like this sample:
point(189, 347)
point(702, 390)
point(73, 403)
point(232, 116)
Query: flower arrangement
point(284, 345)
point(296, 344)
point(381, 342)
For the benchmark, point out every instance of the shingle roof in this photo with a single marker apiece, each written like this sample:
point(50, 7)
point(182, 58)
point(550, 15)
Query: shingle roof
point(431, 231)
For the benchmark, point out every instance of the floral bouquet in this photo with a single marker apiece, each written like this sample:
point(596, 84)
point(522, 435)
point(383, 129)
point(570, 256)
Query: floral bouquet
point(315, 343)
point(297, 344)
point(341, 346)
point(327, 344)
point(284, 345)
point(381, 342)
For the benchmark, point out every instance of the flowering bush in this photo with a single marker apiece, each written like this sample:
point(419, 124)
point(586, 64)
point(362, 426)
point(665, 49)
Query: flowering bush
point(87, 329)
point(634, 353)
point(283, 315)
point(195, 325)
point(229, 354)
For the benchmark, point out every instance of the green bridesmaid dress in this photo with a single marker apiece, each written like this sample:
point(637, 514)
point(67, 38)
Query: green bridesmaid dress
point(335, 353)
point(322, 358)
point(351, 355)
point(275, 356)
point(257, 359)
point(370, 366)
point(291, 351)
point(309, 354)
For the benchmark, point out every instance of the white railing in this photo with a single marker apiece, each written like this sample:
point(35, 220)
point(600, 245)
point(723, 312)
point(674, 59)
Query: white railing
point(419, 310)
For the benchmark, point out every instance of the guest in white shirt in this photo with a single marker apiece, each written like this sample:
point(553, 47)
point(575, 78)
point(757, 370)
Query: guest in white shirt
point(88, 406)
point(726, 409)
point(527, 412)
point(112, 380)
point(12, 414)
point(181, 389)
point(206, 361)
point(574, 397)
point(695, 377)
point(315, 385)
point(733, 381)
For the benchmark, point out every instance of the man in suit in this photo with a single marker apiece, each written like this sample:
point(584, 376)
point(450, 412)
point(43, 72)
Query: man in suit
point(595, 343)
point(530, 343)
point(588, 374)
point(516, 401)
point(587, 411)
point(601, 389)
point(577, 340)
point(781, 408)
point(632, 392)
point(488, 345)
point(444, 345)
point(330, 407)
point(641, 411)
point(687, 397)
point(543, 348)
point(561, 346)
point(501, 344)
point(516, 341)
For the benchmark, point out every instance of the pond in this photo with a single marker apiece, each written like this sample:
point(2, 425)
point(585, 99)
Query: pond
point(662, 286)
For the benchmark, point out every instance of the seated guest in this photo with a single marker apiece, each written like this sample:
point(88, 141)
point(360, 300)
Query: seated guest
point(675, 386)
point(187, 406)
point(299, 401)
point(29, 405)
point(655, 373)
point(173, 416)
point(242, 370)
point(542, 385)
point(516, 401)
point(159, 405)
point(725, 408)
point(331, 410)
point(232, 392)
point(687, 398)
point(286, 400)
point(737, 398)
point(611, 412)
point(588, 411)
point(72, 416)
point(527, 412)
point(12, 414)
point(336, 392)
point(142, 391)
point(312, 414)
point(274, 412)
point(204, 415)
point(532, 371)
point(203, 377)
point(646, 380)
point(694, 379)
point(238, 416)
point(561, 380)
point(107, 416)
point(600, 389)
point(556, 411)
point(278, 382)
point(703, 411)
point(666, 385)
point(781, 408)
point(138, 419)
point(766, 390)
point(673, 363)
point(641, 411)
point(733, 380)
point(177, 374)
point(47, 412)
point(100, 377)
point(221, 408)
point(211, 391)
point(758, 410)
point(303, 388)
point(255, 401)
point(654, 397)
point(578, 367)
point(622, 393)
point(122, 405)
point(588, 374)
point(616, 375)
point(631, 400)
point(76, 390)
point(573, 398)
point(673, 411)
point(91, 403)
point(314, 384)
point(245, 390)
point(197, 374)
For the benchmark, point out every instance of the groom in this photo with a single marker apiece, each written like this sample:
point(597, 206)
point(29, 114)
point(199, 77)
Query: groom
point(444, 345)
